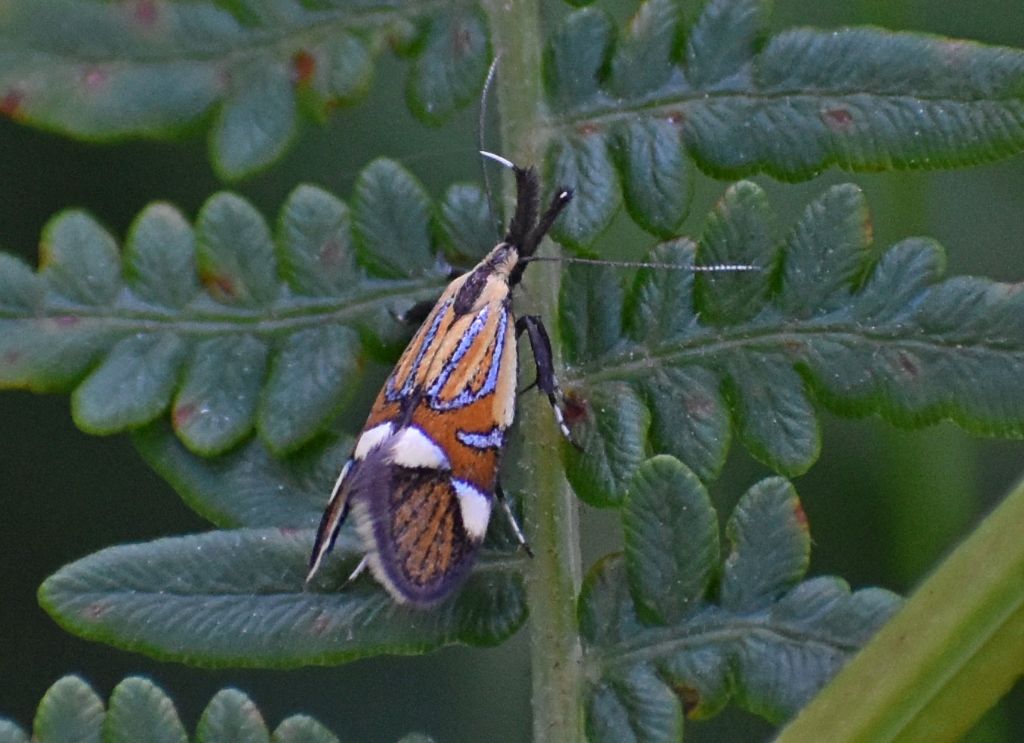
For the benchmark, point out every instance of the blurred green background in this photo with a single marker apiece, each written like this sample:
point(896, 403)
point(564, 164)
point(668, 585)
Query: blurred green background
point(884, 504)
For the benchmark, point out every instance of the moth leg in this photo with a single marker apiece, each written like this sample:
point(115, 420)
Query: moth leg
point(506, 506)
point(545, 382)
point(359, 569)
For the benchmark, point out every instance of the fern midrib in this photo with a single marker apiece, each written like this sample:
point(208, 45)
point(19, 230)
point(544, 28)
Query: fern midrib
point(222, 48)
point(668, 105)
point(645, 358)
point(659, 642)
point(297, 314)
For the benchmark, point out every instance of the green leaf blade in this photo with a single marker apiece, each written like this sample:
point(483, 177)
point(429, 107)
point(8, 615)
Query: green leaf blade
point(576, 55)
point(771, 546)
point(610, 426)
point(229, 717)
point(689, 417)
point(582, 162)
point(105, 72)
point(132, 386)
point(160, 257)
point(826, 253)
point(236, 253)
point(21, 290)
point(774, 416)
point(247, 589)
point(343, 67)
point(737, 232)
point(257, 120)
point(70, 710)
point(789, 105)
point(392, 220)
point(248, 486)
point(216, 405)
point(241, 328)
point(312, 376)
point(80, 260)
point(590, 320)
point(49, 353)
point(607, 614)
point(770, 643)
point(140, 710)
point(671, 539)
point(724, 40)
point(302, 729)
point(958, 639)
point(11, 733)
point(660, 304)
point(315, 249)
point(826, 320)
point(637, 708)
point(467, 222)
point(452, 67)
point(643, 61)
point(656, 176)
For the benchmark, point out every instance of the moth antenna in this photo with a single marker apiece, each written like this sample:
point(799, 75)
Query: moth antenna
point(559, 201)
point(480, 136)
point(503, 161)
point(693, 267)
point(522, 225)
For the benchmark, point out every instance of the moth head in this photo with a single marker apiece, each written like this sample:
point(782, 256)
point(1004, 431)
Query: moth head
point(528, 225)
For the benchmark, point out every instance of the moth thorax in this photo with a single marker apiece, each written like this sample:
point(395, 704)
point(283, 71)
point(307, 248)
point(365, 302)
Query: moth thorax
point(489, 281)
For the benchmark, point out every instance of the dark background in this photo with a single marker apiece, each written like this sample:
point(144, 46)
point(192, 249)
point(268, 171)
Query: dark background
point(884, 505)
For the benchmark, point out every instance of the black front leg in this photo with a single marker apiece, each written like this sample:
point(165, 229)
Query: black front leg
point(545, 382)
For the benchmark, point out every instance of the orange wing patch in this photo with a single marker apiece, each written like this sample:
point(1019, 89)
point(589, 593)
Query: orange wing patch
point(426, 528)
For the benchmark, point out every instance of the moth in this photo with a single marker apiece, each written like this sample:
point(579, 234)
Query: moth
point(423, 477)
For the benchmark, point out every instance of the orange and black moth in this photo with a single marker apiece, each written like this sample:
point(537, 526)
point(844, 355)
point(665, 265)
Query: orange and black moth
point(423, 476)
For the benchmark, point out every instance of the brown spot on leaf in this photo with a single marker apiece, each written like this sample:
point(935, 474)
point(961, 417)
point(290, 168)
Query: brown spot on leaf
point(95, 78)
point(303, 67)
point(954, 52)
point(66, 321)
point(182, 415)
point(461, 40)
point(908, 364)
point(838, 119)
point(146, 12)
point(331, 253)
point(675, 117)
point(575, 408)
point(698, 405)
point(794, 347)
point(321, 624)
point(800, 515)
point(220, 286)
point(587, 128)
point(10, 104)
point(689, 696)
point(96, 610)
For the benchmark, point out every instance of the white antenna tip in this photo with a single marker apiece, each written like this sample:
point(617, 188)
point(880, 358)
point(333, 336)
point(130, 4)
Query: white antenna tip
point(499, 159)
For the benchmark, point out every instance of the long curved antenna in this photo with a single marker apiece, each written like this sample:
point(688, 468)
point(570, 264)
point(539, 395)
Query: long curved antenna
point(481, 144)
point(691, 267)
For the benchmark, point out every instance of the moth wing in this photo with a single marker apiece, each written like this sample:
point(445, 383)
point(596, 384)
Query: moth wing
point(422, 528)
point(331, 520)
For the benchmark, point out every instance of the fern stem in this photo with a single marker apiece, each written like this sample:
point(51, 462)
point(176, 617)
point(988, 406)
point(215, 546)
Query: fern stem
point(550, 507)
